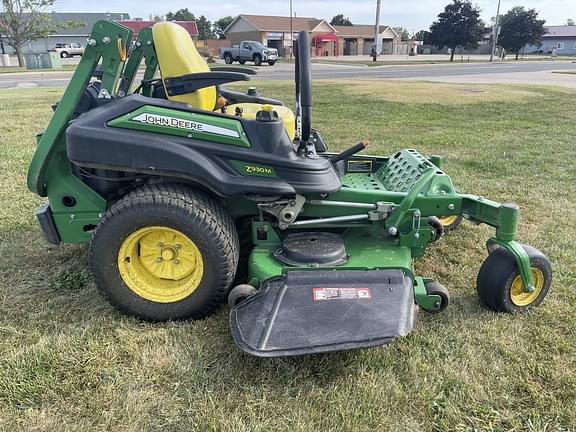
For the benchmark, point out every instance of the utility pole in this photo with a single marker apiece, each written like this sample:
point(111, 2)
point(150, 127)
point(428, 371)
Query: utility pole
point(291, 31)
point(376, 31)
point(495, 34)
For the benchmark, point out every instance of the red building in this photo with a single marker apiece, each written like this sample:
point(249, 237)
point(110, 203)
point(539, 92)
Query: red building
point(137, 25)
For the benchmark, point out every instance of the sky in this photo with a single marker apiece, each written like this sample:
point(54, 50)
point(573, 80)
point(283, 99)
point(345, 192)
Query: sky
point(411, 14)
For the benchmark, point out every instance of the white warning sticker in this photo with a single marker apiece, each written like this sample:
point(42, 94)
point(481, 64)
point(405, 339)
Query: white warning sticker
point(319, 294)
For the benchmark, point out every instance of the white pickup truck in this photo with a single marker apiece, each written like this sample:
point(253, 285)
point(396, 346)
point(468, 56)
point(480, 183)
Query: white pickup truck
point(69, 49)
point(249, 51)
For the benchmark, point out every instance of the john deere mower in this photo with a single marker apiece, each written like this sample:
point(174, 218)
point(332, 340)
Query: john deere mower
point(185, 188)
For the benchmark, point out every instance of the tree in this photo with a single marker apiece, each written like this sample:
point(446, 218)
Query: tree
point(340, 20)
point(204, 26)
point(22, 21)
point(423, 35)
point(520, 27)
point(404, 33)
point(222, 24)
point(458, 26)
point(180, 15)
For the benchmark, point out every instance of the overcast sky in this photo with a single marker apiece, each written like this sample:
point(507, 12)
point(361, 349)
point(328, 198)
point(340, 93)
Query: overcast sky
point(412, 14)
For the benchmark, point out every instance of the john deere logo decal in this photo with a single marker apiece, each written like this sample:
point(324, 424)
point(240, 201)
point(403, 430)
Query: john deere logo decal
point(178, 123)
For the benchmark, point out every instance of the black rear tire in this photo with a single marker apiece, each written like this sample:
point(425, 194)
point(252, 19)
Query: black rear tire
point(272, 63)
point(180, 208)
point(498, 274)
point(257, 59)
point(228, 59)
point(242, 62)
point(64, 54)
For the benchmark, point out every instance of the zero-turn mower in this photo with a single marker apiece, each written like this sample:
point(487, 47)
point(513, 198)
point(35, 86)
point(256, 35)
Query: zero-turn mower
point(183, 187)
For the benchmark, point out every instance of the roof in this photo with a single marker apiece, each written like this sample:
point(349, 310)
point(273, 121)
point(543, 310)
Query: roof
point(360, 30)
point(86, 21)
point(560, 31)
point(279, 23)
point(136, 26)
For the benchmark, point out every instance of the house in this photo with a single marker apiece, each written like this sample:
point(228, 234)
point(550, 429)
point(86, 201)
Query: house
point(274, 31)
point(359, 39)
point(560, 38)
point(77, 34)
point(138, 24)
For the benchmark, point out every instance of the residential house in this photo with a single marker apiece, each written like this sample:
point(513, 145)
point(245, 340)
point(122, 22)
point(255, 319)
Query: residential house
point(561, 39)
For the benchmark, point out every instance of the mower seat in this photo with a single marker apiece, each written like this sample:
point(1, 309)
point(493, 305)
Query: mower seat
point(177, 56)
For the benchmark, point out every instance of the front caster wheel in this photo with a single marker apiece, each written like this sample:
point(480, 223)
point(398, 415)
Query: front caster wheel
point(436, 288)
point(240, 293)
point(499, 284)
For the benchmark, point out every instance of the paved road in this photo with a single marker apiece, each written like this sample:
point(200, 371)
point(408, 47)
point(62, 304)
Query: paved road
point(536, 72)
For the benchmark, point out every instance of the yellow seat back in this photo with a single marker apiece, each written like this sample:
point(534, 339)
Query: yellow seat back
point(177, 56)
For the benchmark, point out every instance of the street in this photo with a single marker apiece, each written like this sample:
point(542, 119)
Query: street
point(534, 72)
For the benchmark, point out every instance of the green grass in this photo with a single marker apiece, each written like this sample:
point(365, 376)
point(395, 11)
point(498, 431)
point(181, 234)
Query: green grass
point(70, 362)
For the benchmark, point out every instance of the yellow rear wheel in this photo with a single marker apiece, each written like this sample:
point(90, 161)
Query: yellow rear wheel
point(165, 252)
point(160, 264)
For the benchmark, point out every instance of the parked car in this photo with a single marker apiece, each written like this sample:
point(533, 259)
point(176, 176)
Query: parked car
point(69, 49)
point(249, 51)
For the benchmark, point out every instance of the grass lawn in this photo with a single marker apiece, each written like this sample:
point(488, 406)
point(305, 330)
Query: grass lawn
point(70, 362)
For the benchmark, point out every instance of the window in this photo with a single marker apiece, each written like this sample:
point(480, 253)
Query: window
point(560, 45)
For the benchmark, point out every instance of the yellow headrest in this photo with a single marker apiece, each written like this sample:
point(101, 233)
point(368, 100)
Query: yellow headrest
point(177, 56)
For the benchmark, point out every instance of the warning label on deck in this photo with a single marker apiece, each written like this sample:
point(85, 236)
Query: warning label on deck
point(319, 294)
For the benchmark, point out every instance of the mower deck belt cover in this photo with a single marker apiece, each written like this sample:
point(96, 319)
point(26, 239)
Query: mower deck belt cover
point(309, 312)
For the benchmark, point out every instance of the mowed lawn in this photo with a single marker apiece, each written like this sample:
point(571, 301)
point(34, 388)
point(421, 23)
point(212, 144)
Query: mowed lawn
point(70, 362)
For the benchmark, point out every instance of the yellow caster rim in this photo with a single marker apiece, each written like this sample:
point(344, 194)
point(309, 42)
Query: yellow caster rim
point(160, 264)
point(521, 298)
point(448, 220)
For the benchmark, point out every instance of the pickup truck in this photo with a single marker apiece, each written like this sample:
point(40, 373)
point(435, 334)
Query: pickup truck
point(249, 51)
point(69, 49)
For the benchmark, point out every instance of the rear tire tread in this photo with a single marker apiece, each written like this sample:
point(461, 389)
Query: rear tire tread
point(200, 207)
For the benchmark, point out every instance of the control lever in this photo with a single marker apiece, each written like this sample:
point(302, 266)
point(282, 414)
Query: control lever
point(349, 152)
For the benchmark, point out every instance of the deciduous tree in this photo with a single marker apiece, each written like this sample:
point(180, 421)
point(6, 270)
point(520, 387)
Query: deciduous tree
point(204, 26)
point(22, 21)
point(520, 27)
point(340, 20)
point(222, 24)
point(458, 26)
